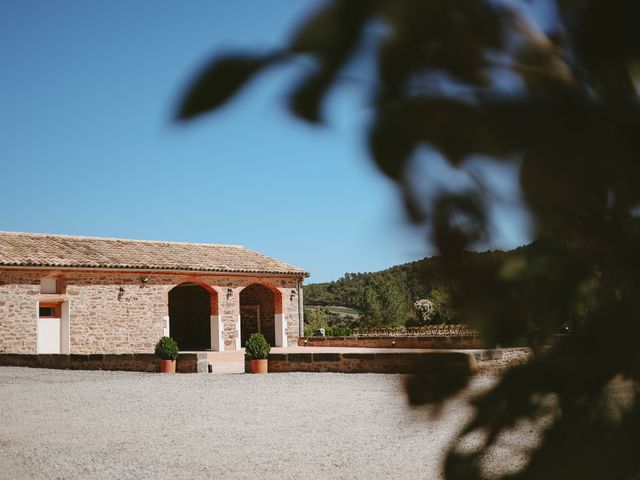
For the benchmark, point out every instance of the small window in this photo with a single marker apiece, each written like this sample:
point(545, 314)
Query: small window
point(49, 310)
point(48, 285)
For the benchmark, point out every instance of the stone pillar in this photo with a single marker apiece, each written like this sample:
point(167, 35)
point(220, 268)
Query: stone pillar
point(280, 324)
point(166, 332)
point(217, 341)
point(65, 323)
point(238, 326)
point(215, 321)
point(230, 317)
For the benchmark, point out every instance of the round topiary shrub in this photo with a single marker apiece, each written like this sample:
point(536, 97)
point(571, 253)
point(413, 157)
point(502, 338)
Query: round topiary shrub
point(257, 347)
point(167, 349)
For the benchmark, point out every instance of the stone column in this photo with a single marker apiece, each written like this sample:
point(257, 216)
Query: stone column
point(280, 322)
point(230, 317)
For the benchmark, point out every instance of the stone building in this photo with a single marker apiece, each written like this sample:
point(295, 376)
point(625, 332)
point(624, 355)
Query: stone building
point(83, 295)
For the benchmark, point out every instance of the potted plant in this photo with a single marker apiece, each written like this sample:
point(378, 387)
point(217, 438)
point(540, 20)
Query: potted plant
point(257, 350)
point(167, 351)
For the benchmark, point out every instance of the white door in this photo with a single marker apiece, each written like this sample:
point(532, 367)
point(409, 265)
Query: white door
point(48, 335)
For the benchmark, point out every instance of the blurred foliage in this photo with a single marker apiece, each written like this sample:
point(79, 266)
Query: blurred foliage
point(552, 91)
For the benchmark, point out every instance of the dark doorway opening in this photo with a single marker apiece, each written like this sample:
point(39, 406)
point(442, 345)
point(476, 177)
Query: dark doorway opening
point(190, 317)
point(257, 313)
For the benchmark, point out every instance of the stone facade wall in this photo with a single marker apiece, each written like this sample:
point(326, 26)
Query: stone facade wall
point(18, 312)
point(117, 312)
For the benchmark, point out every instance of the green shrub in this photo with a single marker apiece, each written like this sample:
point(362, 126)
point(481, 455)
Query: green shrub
point(257, 347)
point(340, 331)
point(314, 320)
point(167, 348)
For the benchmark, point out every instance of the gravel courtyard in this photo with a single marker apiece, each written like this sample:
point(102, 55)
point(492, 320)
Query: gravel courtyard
point(99, 425)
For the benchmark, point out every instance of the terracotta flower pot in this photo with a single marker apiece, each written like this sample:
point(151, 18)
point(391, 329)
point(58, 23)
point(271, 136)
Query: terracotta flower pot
point(167, 366)
point(259, 366)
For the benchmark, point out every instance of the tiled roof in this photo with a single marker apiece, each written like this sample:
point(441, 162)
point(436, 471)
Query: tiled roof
point(64, 251)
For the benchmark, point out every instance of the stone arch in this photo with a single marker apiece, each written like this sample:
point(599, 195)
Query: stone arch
point(261, 311)
point(193, 316)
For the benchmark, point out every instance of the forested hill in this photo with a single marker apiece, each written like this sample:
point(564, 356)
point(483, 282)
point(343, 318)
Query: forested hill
point(417, 279)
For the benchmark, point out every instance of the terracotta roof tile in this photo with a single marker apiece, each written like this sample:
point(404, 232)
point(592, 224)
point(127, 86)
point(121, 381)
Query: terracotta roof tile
point(47, 250)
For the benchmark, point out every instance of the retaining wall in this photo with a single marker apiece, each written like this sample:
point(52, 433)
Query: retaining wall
point(454, 363)
point(137, 362)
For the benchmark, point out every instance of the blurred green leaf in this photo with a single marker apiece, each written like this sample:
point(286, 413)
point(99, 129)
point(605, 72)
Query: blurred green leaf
point(334, 28)
point(306, 100)
point(219, 82)
point(392, 139)
point(331, 37)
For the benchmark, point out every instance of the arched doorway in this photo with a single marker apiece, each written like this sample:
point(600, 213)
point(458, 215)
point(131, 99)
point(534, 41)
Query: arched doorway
point(258, 308)
point(190, 316)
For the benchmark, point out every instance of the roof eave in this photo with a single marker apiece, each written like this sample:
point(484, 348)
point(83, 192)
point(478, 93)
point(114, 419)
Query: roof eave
point(300, 273)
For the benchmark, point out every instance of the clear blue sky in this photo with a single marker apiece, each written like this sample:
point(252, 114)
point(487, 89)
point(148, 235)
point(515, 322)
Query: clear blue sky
point(88, 146)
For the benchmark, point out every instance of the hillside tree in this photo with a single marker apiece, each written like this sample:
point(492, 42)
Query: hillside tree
point(384, 303)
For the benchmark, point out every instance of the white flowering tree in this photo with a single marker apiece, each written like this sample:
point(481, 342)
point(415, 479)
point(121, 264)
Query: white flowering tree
point(425, 308)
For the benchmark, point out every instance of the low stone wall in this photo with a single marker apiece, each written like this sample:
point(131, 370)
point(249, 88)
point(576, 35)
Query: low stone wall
point(495, 362)
point(460, 342)
point(454, 363)
point(137, 362)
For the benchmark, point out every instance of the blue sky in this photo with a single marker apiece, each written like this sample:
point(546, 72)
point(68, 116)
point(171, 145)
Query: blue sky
point(88, 145)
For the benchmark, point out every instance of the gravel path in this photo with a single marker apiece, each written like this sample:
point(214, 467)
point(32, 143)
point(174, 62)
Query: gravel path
point(104, 425)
